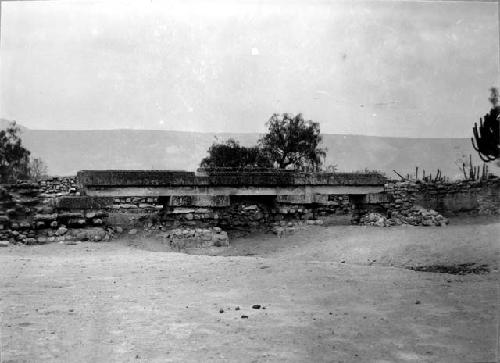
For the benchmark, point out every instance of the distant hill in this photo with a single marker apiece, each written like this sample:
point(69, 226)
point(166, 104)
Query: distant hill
point(66, 152)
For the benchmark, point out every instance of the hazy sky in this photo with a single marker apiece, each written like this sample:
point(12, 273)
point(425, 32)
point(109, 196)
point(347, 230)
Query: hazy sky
point(389, 68)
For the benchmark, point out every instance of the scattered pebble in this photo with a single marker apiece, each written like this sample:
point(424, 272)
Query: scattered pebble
point(244, 316)
point(256, 306)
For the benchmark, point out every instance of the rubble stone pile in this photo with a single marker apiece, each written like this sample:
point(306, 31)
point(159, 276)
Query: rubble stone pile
point(56, 187)
point(418, 216)
point(375, 219)
point(415, 216)
point(198, 237)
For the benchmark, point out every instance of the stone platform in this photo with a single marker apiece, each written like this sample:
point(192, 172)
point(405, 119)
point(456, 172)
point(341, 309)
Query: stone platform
point(205, 187)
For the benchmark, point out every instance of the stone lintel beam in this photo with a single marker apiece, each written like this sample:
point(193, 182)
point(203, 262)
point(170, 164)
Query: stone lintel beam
point(131, 178)
point(377, 198)
point(240, 191)
point(200, 200)
point(88, 179)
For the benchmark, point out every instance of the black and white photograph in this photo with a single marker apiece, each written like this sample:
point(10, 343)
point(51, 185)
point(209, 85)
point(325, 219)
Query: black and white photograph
point(249, 181)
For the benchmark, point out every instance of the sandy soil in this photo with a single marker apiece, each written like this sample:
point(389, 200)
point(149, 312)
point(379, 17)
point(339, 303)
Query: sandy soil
point(331, 294)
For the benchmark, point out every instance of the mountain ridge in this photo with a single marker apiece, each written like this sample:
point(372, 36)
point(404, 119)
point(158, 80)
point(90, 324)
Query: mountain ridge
point(67, 151)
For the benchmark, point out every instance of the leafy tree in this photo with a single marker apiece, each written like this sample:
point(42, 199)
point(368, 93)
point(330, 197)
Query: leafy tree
point(14, 158)
point(293, 142)
point(37, 169)
point(232, 155)
point(487, 135)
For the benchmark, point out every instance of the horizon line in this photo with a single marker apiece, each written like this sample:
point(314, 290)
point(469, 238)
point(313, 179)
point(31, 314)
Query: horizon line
point(238, 133)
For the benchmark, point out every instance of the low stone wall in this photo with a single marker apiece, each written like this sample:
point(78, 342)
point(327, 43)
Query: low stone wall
point(471, 197)
point(29, 214)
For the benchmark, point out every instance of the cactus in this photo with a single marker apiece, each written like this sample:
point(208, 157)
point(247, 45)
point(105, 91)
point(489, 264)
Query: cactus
point(486, 139)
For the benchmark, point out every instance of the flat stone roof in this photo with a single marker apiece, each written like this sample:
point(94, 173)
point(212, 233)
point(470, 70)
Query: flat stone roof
point(234, 178)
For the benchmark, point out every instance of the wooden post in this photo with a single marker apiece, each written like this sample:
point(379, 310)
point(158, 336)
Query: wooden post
point(471, 168)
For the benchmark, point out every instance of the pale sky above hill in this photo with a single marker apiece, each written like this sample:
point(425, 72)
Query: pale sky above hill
point(387, 68)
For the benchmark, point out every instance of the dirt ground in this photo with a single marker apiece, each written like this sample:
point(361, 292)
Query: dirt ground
point(327, 294)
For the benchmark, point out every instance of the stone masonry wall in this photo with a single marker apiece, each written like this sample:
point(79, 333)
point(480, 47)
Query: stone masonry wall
point(472, 197)
point(252, 213)
point(28, 214)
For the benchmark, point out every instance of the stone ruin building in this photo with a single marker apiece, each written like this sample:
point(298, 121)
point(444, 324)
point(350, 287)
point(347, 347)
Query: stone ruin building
point(196, 209)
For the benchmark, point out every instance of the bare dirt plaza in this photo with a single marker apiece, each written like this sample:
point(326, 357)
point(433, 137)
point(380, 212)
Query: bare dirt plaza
point(326, 294)
point(250, 181)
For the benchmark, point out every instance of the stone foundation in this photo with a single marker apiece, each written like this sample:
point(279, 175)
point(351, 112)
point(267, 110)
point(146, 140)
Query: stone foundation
point(56, 210)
